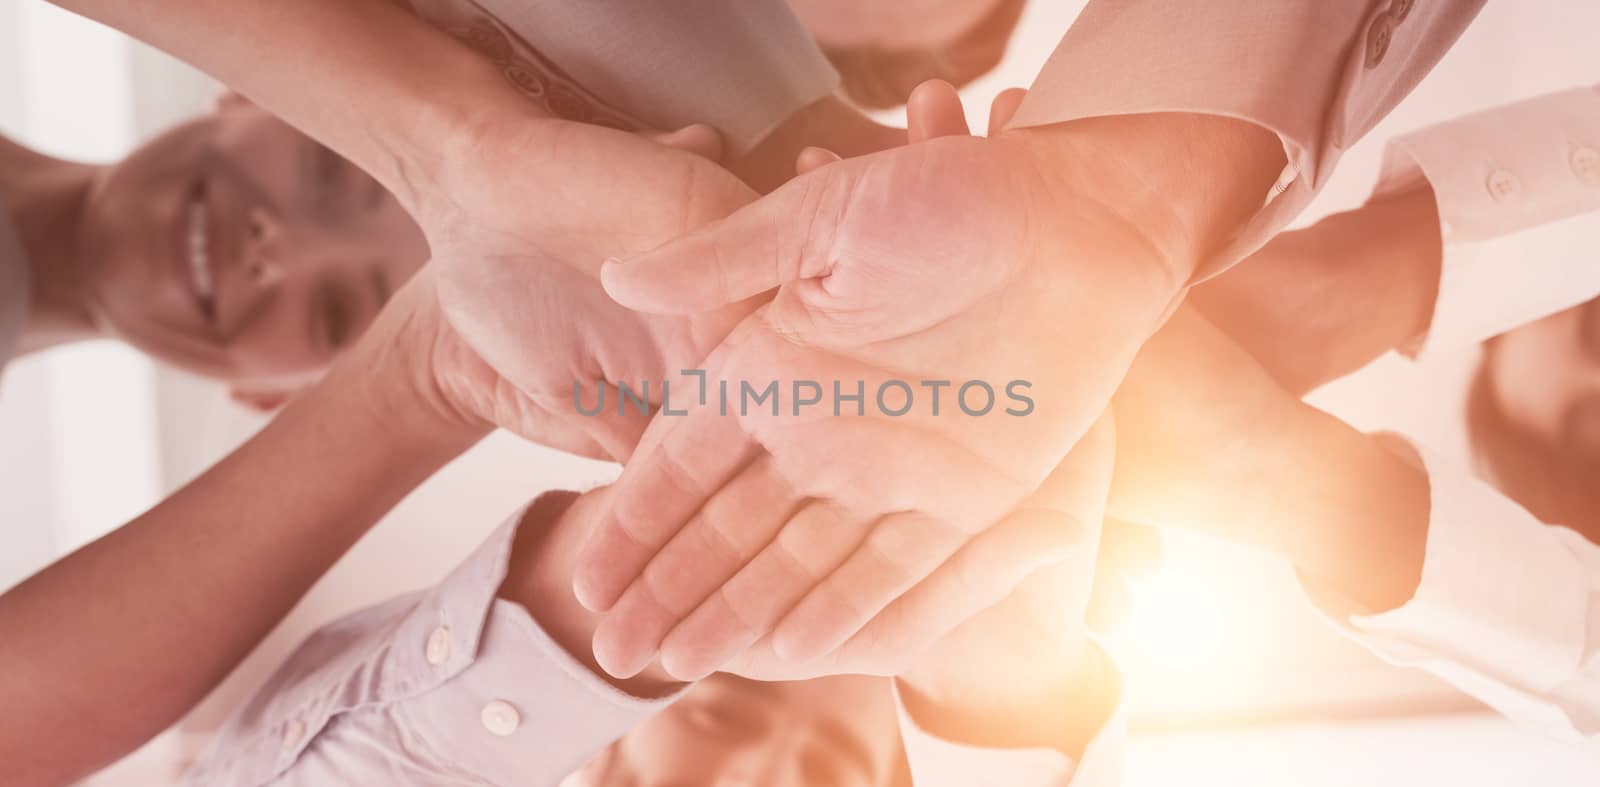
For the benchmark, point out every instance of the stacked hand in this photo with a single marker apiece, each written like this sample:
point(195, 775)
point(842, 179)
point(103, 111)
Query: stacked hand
point(1207, 440)
point(953, 259)
point(510, 317)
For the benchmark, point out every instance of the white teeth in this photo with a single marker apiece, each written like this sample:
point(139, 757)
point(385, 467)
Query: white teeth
point(200, 249)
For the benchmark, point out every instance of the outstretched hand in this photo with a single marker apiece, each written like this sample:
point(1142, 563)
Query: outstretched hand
point(985, 303)
point(517, 234)
point(1208, 441)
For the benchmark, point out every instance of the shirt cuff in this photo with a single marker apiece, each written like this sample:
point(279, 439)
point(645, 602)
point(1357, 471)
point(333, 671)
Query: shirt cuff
point(503, 691)
point(474, 683)
point(742, 66)
point(1320, 75)
point(939, 761)
point(1503, 608)
point(1518, 192)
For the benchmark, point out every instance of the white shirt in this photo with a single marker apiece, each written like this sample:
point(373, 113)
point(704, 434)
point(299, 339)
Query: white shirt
point(1518, 188)
point(1508, 607)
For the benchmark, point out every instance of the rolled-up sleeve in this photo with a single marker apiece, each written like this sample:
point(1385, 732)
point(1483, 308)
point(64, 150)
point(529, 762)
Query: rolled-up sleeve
point(446, 687)
point(1507, 610)
point(1319, 74)
point(1518, 193)
point(939, 762)
point(742, 66)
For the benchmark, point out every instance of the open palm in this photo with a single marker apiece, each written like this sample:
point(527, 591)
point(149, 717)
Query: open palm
point(955, 259)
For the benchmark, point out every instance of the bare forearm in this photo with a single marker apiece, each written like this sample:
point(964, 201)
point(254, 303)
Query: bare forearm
point(115, 642)
point(1293, 481)
point(1317, 304)
point(365, 77)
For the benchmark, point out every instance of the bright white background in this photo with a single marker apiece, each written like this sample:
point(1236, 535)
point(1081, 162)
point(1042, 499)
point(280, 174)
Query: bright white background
point(91, 435)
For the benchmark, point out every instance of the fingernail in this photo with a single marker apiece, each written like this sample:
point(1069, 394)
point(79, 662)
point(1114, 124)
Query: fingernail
point(586, 595)
point(680, 671)
point(613, 658)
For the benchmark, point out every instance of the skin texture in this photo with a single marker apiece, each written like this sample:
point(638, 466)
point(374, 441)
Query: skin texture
point(303, 250)
point(835, 730)
point(457, 149)
point(139, 593)
point(883, 263)
point(409, 106)
point(1046, 690)
point(1209, 441)
point(440, 129)
point(1018, 673)
point(1317, 304)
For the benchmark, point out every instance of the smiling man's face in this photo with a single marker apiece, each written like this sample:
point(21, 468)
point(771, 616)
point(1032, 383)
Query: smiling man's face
point(730, 732)
point(238, 248)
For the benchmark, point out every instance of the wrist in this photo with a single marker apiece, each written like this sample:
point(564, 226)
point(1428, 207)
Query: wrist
point(539, 577)
point(397, 369)
point(1400, 237)
point(1364, 532)
point(1187, 182)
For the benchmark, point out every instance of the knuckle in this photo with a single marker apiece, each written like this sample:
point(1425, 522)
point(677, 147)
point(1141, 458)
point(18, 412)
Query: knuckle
point(630, 515)
point(815, 543)
point(746, 613)
point(721, 539)
point(676, 476)
point(667, 587)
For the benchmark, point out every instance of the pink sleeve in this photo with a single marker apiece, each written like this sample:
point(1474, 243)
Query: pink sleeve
point(1320, 74)
point(742, 66)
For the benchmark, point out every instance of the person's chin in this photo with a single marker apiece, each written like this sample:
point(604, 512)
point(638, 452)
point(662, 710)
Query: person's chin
point(195, 355)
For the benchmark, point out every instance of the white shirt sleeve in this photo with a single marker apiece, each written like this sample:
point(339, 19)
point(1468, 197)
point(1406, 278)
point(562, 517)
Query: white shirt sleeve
point(1518, 191)
point(1507, 610)
point(452, 686)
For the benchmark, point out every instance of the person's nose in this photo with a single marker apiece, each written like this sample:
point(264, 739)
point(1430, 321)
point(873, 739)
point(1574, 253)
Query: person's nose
point(264, 249)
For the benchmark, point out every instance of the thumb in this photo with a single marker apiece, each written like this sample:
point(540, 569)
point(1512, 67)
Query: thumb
point(1004, 108)
point(700, 139)
point(616, 434)
point(780, 238)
